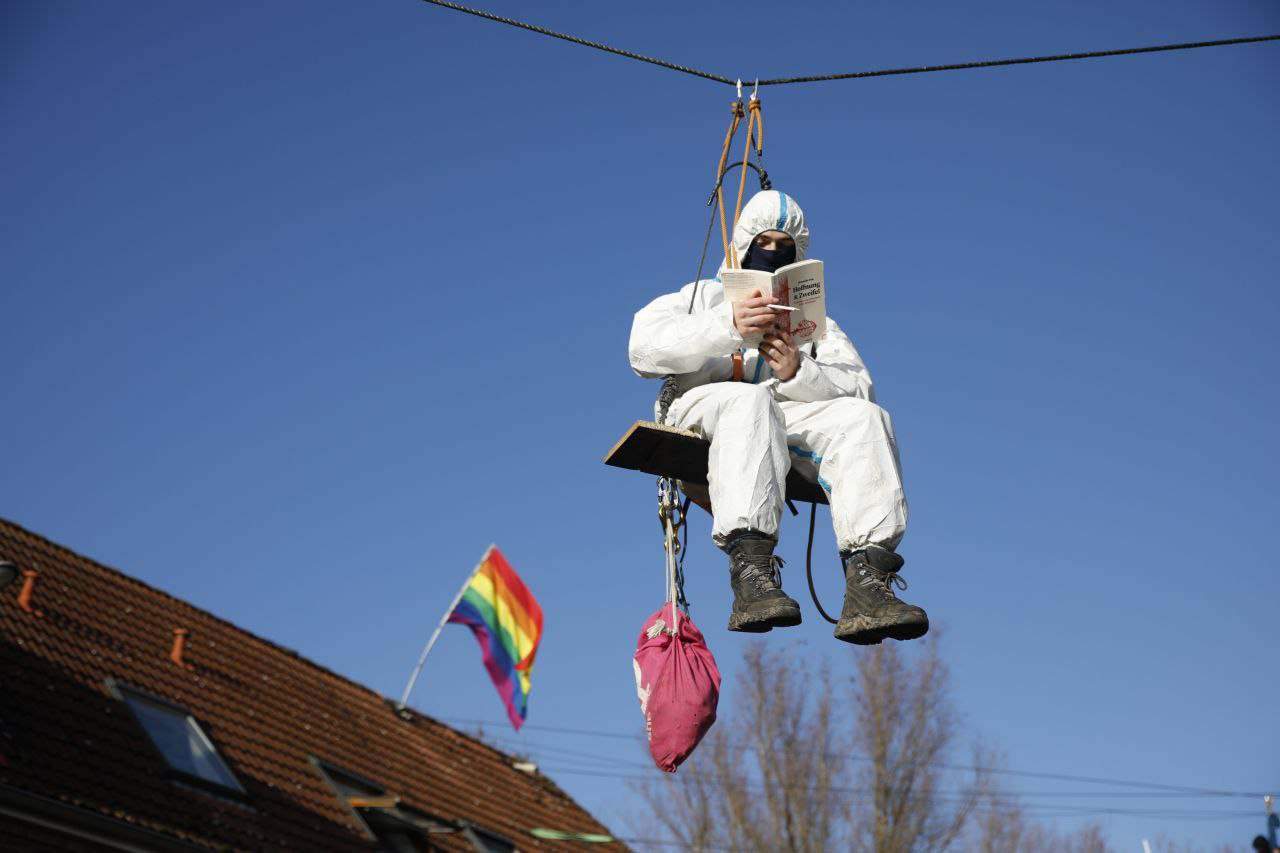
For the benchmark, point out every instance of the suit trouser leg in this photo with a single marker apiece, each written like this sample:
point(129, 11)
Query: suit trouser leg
point(748, 462)
point(847, 446)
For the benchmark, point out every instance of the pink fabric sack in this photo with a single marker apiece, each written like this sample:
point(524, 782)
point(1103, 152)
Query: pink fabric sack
point(678, 684)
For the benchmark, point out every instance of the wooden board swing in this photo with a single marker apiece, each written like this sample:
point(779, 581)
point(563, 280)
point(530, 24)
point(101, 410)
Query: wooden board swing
point(667, 451)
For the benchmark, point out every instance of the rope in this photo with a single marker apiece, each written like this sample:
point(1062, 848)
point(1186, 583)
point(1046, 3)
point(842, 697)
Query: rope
point(668, 393)
point(669, 506)
point(753, 122)
point(808, 564)
point(731, 258)
point(854, 75)
point(684, 549)
point(813, 515)
point(706, 241)
point(736, 107)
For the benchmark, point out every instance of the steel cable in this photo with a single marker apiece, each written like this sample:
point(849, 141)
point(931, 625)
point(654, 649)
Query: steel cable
point(639, 57)
point(851, 75)
point(1027, 60)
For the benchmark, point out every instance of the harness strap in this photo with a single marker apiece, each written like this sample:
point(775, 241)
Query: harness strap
point(755, 133)
point(735, 109)
point(758, 108)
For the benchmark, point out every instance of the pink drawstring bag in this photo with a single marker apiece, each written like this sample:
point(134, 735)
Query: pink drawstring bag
point(678, 684)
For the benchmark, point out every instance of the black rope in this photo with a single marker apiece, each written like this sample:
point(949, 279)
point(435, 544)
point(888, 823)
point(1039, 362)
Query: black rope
point(853, 75)
point(668, 394)
point(684, 549)
point(1027, 60)
point(480, 13)
point(766, 183)
point(808, 564)
point(713, 203)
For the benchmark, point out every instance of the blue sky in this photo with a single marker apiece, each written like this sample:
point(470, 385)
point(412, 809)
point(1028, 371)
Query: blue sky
point(239, 238)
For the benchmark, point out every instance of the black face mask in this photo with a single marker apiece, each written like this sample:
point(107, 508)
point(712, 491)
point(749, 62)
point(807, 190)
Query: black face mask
point(766, 260)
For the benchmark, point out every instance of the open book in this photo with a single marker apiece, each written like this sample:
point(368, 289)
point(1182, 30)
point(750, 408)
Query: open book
point(799, 286)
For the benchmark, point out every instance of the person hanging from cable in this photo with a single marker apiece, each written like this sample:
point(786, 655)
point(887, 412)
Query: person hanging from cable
point(812, 410)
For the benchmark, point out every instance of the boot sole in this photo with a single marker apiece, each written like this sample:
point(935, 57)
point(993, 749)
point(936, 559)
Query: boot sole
point(868, 630)
point(765, 619)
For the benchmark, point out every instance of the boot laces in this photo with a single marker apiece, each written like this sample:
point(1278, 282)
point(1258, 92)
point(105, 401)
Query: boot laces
point(764, 576)
point(881, 583)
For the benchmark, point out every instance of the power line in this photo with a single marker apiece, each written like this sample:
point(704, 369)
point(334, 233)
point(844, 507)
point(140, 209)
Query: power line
point(851, 75)
point(989, 802)
point(555, 753)
point(1005, 798)
point(985, 804)
point(1028, 774)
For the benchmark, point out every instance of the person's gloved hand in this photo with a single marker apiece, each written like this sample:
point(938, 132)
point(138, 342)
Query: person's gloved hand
point(752, 317)
point(781, 355)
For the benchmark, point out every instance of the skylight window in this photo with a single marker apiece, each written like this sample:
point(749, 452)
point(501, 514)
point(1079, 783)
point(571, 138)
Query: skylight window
point(181, 741)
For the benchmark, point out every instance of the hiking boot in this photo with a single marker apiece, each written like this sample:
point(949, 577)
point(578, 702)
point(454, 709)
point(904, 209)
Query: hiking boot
point(872, 611)
point(759, 603)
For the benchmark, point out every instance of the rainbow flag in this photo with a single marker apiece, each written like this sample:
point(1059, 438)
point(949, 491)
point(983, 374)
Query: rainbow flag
point(507, 623)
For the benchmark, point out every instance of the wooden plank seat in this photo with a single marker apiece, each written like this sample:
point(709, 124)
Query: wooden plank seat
point(667, 451)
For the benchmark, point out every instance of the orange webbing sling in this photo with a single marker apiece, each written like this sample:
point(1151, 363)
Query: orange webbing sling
point(755, 133)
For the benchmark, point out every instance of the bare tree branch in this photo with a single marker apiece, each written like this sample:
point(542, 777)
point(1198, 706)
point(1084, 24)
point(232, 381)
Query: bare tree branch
point(803, 763)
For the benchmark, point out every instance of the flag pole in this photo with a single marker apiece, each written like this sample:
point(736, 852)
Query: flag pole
point(426, 650)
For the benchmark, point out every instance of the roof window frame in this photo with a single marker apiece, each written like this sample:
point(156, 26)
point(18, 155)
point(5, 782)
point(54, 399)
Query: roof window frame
point(478, 835)
point(373, 820)
point(121, 691)
point(328, 770)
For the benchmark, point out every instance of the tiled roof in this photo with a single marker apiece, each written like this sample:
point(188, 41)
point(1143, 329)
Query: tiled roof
point(64, 736)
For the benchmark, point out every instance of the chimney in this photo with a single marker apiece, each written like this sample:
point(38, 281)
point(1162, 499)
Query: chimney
point(28, 589)
point(179, 643)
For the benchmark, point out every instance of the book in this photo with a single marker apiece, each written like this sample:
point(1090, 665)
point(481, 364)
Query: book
point(799, 286)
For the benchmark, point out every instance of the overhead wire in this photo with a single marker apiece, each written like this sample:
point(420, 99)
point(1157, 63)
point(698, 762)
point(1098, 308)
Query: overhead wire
point(556, 754)
point(1040, 809)
point(1027, 774)
point(567, 762)
point(613, 762)
point(944, 794)
point(849, 75)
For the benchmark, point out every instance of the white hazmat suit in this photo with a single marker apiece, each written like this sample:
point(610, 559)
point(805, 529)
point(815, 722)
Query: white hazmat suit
point(823, 421)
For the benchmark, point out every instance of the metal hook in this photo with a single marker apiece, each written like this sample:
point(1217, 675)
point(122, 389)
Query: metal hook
point(755, 93)
point(739, 90)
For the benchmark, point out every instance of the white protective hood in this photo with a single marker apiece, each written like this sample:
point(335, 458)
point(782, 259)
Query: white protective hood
point(770, 210)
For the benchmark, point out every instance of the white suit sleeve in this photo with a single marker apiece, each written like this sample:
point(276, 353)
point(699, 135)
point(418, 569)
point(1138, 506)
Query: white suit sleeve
point(836, 371)
point(666, 338)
